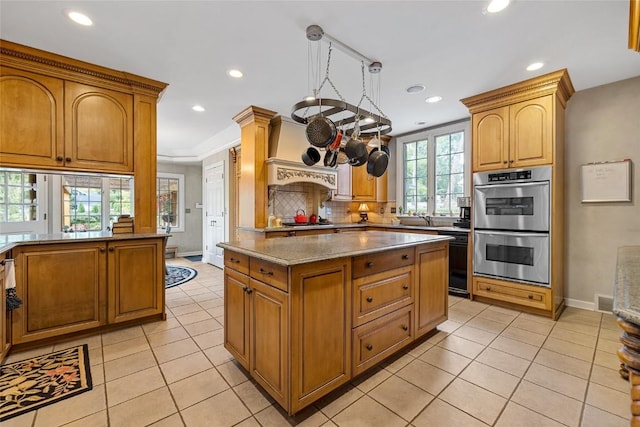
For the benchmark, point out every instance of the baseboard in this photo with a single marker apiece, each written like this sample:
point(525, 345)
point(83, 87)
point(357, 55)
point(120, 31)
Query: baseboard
point(190, 253)
point(576, 303)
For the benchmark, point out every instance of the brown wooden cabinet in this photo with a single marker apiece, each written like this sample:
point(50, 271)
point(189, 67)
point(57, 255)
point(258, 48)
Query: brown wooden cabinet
point(343, 183)
point(5, 341)
point(135, 268)
point(355, 184)
point(521, 126)
point(63, 289)
point(236, 314)
point(56, 124)
point(432, 276)
point(77, 286)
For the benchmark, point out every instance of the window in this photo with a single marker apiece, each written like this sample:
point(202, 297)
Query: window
point(18, 196)
point(170, 201)
point(85, 209)
point(435, 169)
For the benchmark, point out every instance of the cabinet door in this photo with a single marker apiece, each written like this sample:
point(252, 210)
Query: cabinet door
point(320, 299)
point(269, 333)
point(236, 315)
point(31, 119)
point(4, 342)
point(432, 287)
point(62, 287)
point(363, 186)
point(489, 136)
point(136, 279)
point(98, 129)
point(343, 190)
point(531, 132)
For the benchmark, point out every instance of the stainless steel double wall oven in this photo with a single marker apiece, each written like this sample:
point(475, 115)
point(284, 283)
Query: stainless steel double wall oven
point(511, 225)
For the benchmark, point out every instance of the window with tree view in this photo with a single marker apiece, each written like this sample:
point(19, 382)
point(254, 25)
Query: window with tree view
point(18, 201)
point(415, 177)
point(449, 172)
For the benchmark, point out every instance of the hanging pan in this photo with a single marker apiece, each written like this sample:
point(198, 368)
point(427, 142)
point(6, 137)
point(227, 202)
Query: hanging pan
point(321, 131)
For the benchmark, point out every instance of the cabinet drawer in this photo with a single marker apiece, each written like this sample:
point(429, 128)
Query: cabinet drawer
point(270, 273)
point(379, 294)
point(236, 261)
point(380, 338)
point(365, 265)
point(531, 296)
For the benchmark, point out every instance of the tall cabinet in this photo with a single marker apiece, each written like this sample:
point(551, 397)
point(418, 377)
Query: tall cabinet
point(517, 126)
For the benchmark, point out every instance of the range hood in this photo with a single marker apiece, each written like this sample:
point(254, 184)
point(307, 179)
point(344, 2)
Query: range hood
point(287, 141)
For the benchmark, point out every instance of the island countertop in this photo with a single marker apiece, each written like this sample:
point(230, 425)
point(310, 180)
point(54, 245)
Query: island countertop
point(305, 249)
point(9, 241)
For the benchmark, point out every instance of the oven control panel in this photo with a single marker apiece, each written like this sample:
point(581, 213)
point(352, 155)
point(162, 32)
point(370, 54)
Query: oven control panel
point(510, 176)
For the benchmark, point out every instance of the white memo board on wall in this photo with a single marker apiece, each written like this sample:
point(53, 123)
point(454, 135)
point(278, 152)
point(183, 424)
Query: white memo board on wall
point(606, 182)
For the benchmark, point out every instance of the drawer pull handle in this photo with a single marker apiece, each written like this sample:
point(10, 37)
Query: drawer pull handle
point(405, 328)
point(405, 287)
point(405, 256)
point(530, 296)
point(263, 271)
point(369, 299)
point(292, 233)
point(232, 259)
point(369, 347)
point(369, 264)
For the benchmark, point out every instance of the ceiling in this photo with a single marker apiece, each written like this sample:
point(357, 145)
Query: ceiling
point(451, 47)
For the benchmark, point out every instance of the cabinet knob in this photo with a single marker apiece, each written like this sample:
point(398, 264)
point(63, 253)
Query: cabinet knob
point(530, 296)
point(405, 256)
point(247, 289)
point(59, 158)
point(102, 249)
point(405, 286)
point(369, 299)
point(405, 328)
point(111, 249)
point(369, 264)
point(263, 271)
point(369, 347)
point(67, 159)
point(488, 288)
point(236, 261)
point(505, 162)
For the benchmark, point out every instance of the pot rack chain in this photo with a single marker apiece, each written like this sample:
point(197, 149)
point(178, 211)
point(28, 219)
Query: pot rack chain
point(365, 96)
point(327, 79)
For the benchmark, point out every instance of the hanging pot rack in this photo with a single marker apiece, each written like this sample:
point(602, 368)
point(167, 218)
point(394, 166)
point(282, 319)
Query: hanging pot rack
point(343, 114)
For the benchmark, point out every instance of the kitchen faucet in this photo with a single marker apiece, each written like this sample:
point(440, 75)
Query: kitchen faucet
point(427, 219)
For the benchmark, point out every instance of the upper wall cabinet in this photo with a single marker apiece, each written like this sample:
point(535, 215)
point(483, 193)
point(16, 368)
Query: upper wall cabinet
point(520, 125)
point(55, 124)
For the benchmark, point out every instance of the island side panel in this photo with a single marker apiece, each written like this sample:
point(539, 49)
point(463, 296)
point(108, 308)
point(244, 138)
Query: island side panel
point(320, 330)
point(432, 266)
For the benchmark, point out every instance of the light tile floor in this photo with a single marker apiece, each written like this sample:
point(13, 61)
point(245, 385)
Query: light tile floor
point(486, 366)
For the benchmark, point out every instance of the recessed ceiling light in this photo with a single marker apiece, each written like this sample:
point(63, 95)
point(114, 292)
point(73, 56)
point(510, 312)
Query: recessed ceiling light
point(80, 18)
point(535, 66)
point(496, 6)
point(421, 123)
point(415, 89)
point(198, 108)
point(235, 73)
point(433, 99)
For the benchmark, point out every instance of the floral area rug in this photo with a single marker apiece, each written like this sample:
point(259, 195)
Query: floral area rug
point(33, 383)
point(178, 275)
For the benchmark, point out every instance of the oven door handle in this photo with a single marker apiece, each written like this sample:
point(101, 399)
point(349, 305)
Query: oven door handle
point(511, 233)
point(513, 184)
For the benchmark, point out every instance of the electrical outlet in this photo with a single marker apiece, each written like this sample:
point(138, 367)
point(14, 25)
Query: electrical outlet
point(381, 210)
point(393, 210)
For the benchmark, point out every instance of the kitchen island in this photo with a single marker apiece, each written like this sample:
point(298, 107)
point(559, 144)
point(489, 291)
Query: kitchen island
point(305, 315)
point(77, 283)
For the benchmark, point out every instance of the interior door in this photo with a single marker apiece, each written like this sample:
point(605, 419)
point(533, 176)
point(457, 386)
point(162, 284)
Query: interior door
point(215, 219)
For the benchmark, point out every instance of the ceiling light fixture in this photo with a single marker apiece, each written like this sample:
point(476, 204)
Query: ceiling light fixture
point(236, 74)
point(433, 99)
point(496, 6)
point(413, 89)
point(421, 123)
point(535, 66)
point(198, 108)
point(80, 18)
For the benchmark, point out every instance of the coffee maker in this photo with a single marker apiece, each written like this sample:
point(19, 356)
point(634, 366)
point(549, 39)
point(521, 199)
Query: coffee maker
point(464, 203)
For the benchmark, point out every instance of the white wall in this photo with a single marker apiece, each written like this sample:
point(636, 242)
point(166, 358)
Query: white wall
point(189, 241)
point(602, 124)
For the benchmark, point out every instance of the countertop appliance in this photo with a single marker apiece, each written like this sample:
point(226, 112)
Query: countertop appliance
point(465, 213)
point(457, 262)
point(511, 225)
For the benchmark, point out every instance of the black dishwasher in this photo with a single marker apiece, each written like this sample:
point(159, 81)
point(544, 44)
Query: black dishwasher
point(457, 262)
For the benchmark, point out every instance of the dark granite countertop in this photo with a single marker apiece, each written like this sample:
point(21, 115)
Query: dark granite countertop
point(626, 293)
point(301, 250)
point(9, 241)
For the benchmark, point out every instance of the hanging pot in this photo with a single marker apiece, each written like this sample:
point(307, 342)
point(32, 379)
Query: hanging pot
point(377, 163)
point(321, 131)
point(311, 156)
point(342, 157)
point(361, 158)
point(336, 142)
point(330, 158)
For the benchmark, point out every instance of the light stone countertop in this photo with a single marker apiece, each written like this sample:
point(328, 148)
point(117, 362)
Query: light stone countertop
point(626, 292)
point(305, 249)
point(9, 241)
point(356, 225)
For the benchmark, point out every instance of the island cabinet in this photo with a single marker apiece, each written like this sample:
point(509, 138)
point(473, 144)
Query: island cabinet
point(5, 342)
point(304, 328)
point(72, 287)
